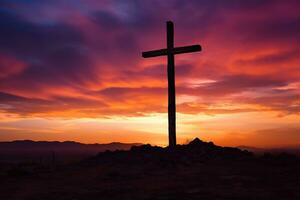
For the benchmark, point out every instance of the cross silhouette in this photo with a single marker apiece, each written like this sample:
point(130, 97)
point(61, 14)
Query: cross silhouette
point(170, 51)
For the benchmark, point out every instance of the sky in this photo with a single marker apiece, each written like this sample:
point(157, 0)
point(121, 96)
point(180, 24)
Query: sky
point(73, 70)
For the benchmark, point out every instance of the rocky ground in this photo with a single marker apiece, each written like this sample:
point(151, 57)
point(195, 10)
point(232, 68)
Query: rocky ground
point(198, 170)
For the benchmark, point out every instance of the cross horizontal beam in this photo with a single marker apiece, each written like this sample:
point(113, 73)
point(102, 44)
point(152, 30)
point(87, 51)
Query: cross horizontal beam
point(177, 50)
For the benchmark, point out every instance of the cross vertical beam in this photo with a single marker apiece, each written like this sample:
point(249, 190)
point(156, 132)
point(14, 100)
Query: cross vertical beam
point(170, 51)
point(171, 86)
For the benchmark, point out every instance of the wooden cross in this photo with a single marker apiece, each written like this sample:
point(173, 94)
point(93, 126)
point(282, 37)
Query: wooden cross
point(170, 51)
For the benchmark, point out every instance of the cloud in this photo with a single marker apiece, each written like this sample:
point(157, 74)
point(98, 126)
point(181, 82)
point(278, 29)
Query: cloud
point(91, 55)
point(282, 29)
point(23, 38)
point(286, 103)
point(54, 53)
point(234, 84)
point(270, 59)
point(10, 66)
point(60, 106)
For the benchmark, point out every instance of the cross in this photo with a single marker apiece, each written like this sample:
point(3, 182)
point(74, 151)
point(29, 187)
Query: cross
point(170, 51)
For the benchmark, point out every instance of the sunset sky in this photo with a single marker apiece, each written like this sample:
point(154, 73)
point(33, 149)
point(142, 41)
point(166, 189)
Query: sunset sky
point(73, 70)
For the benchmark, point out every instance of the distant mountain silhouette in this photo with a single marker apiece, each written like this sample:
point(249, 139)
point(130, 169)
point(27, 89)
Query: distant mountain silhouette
point(29, 145)
point(277, 150)
point(27, 149)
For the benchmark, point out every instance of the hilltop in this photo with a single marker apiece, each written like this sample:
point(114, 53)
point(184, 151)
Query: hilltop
point(198, 170)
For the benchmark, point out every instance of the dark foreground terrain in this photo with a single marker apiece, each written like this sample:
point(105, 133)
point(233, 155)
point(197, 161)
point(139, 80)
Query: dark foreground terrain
point(198, 170)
